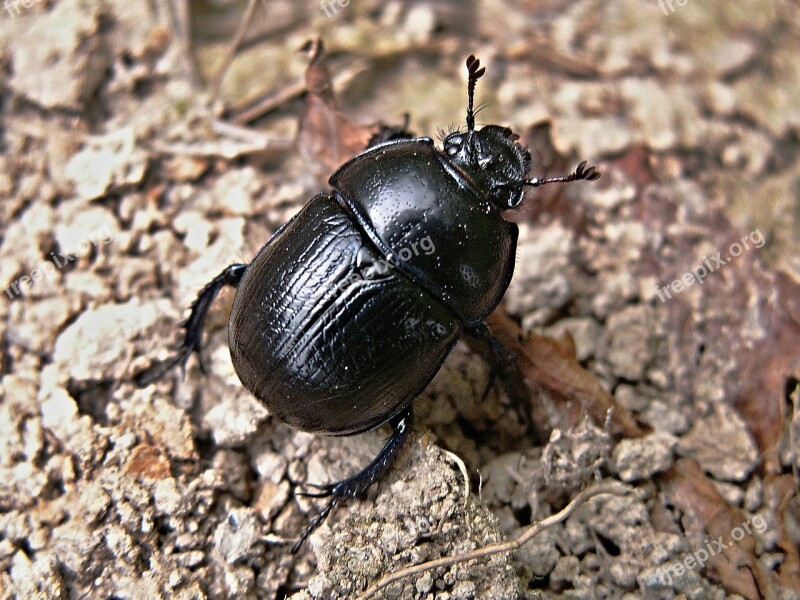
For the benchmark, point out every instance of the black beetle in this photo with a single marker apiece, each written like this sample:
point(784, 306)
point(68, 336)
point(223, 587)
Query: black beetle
point(348, 311)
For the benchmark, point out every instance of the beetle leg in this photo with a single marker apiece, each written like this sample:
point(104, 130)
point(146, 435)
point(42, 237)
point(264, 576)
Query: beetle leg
point(358, 483)
point(193, 326)
point(388, 133)
point(503, 366)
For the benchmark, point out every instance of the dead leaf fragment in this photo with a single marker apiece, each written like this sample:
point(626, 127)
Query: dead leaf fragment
point(326, 137)
point(551, 364)
point(707, 517)
point(148, 461)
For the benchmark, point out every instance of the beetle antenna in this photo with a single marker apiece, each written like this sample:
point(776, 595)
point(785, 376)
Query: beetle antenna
point(475, 72)
point(581, 172)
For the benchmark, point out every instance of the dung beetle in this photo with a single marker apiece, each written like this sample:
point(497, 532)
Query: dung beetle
point(349, 310)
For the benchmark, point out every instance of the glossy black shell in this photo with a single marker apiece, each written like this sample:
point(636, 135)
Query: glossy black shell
point(338, 323)
point(405, 191)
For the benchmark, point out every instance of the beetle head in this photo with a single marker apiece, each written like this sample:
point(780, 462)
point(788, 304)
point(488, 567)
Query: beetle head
point(491, 157)
point(493, 160)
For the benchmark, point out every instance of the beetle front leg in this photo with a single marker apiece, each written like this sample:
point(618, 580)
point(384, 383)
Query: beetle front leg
point(388, 133)
point(192, 339)
point(358, 483)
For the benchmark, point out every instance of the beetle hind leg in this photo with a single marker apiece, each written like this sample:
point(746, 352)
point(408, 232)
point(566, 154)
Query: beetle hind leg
point(358, 483)
point(193, 326)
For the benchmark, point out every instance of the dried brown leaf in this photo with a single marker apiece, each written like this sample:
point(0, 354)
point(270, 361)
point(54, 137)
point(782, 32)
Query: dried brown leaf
point(326, 137)
point(785, 488)
point(708, 517)
point(552, 365)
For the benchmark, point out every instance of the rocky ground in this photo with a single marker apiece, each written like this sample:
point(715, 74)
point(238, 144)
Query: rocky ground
point(655, 314)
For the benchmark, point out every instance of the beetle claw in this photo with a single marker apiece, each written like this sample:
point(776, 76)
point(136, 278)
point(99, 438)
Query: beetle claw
point(358, 483)
point(155, 371)
point(193, 328)
point(326, 490)
point(315, 522)
point(325, 494)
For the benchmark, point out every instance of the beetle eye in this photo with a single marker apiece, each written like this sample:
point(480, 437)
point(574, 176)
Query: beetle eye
point(452, 145)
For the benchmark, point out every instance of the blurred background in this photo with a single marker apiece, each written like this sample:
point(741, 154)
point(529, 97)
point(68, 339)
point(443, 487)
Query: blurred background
point(655, 313)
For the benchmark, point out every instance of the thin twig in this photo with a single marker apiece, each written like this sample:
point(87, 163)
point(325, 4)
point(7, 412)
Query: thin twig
point(270, 103)
point(236, 132)
point(237, 40)
point(180, 18)
point(271, 100)
point(611, 487)
point(275, 99)
point(234, 141)
point(457, 459)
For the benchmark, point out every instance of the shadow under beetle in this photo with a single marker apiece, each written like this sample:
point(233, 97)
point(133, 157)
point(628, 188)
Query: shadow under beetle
point(344, 359)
